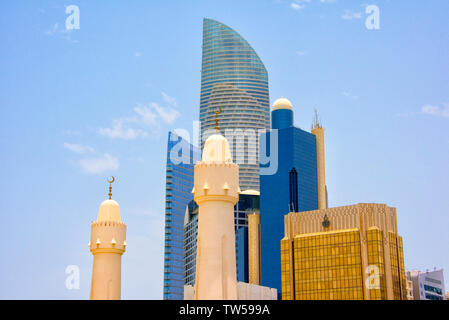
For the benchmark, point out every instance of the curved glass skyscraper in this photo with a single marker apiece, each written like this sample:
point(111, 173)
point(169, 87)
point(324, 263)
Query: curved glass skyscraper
point(234, 78)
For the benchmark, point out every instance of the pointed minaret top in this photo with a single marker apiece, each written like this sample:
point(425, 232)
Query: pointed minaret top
point(109, 209)
point(110, 186)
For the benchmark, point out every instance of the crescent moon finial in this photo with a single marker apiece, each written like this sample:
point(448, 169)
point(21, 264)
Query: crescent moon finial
point(110, 186)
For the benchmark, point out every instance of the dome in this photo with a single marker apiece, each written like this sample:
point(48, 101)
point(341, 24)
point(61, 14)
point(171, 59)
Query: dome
point(251, 192)
point(109, 211)
point(216, 149)
point(282, 103)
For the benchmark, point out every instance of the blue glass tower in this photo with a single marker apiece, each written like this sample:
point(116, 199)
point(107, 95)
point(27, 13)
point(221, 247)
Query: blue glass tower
point(293, 187)
point(234, 78)
point(241, 254)
point(181, 158)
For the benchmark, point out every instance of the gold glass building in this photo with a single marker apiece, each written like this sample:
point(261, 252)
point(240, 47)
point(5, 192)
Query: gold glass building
point(254, 248)
point(344, 253)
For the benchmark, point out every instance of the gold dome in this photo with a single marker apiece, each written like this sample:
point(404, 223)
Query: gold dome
point(282, 103)
point(251, 192)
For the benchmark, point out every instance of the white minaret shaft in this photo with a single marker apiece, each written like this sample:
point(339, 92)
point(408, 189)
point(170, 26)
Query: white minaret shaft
point(216, 189)
point(107, 244)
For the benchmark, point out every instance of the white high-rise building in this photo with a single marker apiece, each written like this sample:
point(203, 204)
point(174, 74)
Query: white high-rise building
point(427, 285)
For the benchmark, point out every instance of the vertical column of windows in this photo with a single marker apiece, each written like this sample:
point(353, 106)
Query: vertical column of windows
point(395, 273)
point(294, 207)
point(402, 276)
point(285, 270)
point(376, 258)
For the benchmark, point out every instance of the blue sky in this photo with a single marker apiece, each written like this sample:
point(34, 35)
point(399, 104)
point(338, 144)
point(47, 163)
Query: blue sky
point(77, 106)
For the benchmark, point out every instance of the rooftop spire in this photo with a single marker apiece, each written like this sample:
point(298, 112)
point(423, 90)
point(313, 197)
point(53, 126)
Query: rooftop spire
point(110, 186)
point(316, 121)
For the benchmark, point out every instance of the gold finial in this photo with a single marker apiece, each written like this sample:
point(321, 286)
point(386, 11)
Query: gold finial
point(216, 117)
point(325, 223)
point(110, 187)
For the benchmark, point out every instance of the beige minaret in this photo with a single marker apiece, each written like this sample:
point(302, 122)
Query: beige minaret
point(216, 191)
point(318, 131)
point(107, 244)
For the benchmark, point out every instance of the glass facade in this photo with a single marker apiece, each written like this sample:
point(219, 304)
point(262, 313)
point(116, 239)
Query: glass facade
point(241, 255)
point(293, 186)
point(376, 258)
point(190, 242)
point(247, 204)
point(397, 266)
point(329, 266)
point(181, 157)
point(285, 270)
point(234, 78)
point(432, 289)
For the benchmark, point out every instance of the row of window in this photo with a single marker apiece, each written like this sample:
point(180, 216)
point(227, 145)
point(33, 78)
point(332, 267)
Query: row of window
point(346, 283)
point(327, 250)
point(433, 289)
point(342, 271)
point(328, 239)
point(350, 294)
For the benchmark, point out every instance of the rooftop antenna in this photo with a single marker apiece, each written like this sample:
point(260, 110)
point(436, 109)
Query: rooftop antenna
point(216, 118)
point(316, 120)
point(110, 186)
